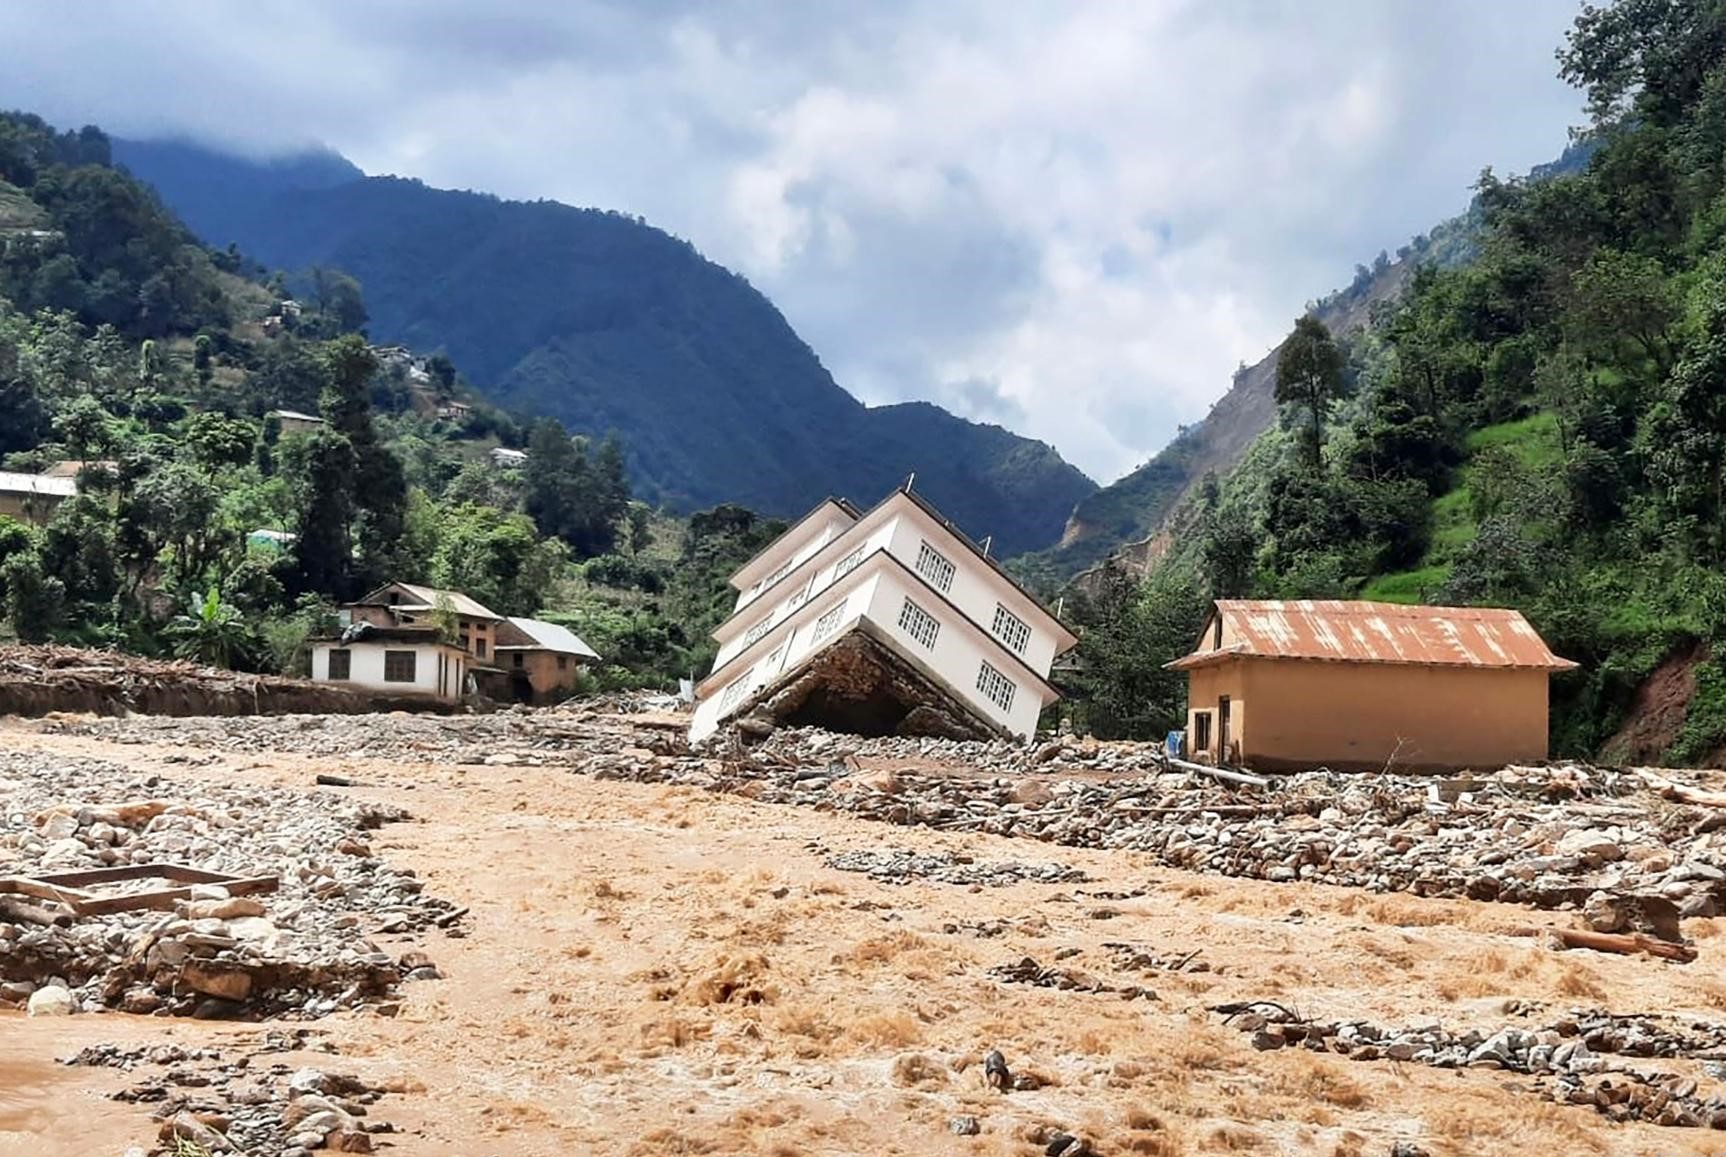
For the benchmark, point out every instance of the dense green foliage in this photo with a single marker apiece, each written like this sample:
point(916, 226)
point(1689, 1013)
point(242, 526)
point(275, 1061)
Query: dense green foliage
point(174, 414)
point(606, 324)
point(1544, 424)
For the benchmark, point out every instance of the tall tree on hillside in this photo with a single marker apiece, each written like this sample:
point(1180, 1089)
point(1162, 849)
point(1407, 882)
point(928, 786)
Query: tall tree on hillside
point(380, 496)
point(326, 468)
point(1309, 377)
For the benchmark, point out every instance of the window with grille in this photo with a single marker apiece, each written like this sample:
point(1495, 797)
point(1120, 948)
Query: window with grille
point(1010, 629)
point(776, 576)
point(773, 660)
point(341, 664)
point(736, 690)
point(801, 596)
point(400, 666)
point(933, 565)
point(919, 623)
point(848, 564)
point(996, 686)
point(753, 635)
point(828, 623)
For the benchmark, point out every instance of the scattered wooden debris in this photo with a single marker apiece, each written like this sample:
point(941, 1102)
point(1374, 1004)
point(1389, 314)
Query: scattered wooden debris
point(70, 889)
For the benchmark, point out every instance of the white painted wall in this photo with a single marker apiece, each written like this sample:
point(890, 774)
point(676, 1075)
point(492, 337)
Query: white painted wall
point(366, 668)
point(976, 589)
point(796, 547)
point(785, 599)
point(958, 653)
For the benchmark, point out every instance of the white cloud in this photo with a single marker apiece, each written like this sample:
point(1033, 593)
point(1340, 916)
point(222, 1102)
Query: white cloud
point(1075, 218)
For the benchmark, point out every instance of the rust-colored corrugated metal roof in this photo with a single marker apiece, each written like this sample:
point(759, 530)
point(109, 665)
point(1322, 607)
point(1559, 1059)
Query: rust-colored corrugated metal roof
point(1362, 632)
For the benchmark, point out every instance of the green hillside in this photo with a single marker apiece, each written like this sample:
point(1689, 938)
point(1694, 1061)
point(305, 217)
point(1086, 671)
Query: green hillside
point(610, 325)
point(1543, 425)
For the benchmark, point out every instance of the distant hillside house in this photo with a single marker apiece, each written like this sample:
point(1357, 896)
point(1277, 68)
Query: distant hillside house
point(33, 498)
point(538, 662)
point(882, 622)
point(73, 467)
point(1362, 686)
point(506, 459)
point(455, 411)
point(394, 641)
point(410, 661)
point(409, 605)
point(294, 422)
point(272, 541)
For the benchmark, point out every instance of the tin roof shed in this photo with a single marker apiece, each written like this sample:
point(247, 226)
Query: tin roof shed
point(1341, 631)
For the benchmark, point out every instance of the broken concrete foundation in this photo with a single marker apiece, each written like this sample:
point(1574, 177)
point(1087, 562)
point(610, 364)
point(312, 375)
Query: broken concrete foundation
point(863, 685)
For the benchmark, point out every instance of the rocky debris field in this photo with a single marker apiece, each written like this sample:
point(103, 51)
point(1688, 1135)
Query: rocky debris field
point(306, 949)
point(1570, 836)
point(246, 1099)
point(901, 867)
point(1585, 1058)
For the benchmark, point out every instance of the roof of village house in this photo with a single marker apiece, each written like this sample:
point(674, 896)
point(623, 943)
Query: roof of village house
point(1364, 632)
point(545, 636)
point(429, 598)
point(14, 483)
point(296, 416)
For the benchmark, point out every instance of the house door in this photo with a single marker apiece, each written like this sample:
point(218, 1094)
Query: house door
point(1222, 728)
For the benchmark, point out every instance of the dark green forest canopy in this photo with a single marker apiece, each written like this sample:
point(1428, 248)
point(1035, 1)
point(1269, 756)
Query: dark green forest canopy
point(607, 324)
point(124, 343)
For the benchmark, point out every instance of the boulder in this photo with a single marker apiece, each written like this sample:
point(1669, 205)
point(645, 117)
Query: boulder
point(52, 1000)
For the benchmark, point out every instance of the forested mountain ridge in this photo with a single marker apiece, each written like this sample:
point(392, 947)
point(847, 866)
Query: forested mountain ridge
point(148, 370)
point(1541, 426)
point(608, 324)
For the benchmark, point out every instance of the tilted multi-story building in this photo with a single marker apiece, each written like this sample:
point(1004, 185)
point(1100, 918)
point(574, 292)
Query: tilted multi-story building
point(889, 621)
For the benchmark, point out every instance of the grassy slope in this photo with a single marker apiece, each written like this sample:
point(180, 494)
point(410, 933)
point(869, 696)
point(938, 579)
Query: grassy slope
point(1534, 442)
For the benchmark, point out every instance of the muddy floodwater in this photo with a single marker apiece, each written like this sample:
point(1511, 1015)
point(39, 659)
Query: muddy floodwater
point(653, 969)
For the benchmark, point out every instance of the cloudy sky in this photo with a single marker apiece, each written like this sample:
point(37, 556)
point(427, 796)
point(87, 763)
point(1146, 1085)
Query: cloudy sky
point(1072, 219)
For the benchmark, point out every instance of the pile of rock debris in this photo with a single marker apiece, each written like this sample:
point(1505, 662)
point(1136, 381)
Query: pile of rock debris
point(306, 948)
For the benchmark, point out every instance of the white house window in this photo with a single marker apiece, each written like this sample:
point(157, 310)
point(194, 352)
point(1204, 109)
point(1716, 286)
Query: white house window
point(848, 564)
point(753, 635)
point(400, 666)
point(828, 623)
point(736, 690)
point(919, 623)
point(996, 686)
point(772, 664)
point(800, 597)
point(933, 565)
point(776, 576)
point(1011, 629)
point(341, 664)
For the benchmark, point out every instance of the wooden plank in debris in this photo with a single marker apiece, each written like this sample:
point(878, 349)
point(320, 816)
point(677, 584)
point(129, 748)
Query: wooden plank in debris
point(1624, 943)
point(1680, 792)
point(24, 886)
point(68, 888)
point(177, 872)
point(234, 886)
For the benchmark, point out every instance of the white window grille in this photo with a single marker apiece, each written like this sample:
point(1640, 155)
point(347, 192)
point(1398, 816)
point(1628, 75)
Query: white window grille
point(933, 565)
point(735, 691)
point(776, 576)
point(996, 686)
point(772, 664)
point(801, 596)
point(828, 623)
point(919, 623)
point(1011, 629)
point(753, 635)
point(848, 564)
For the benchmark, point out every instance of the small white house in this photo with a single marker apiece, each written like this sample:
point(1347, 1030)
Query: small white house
point(408, 661)
point(899, 594)
point(506, 459)
point(294, 422)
